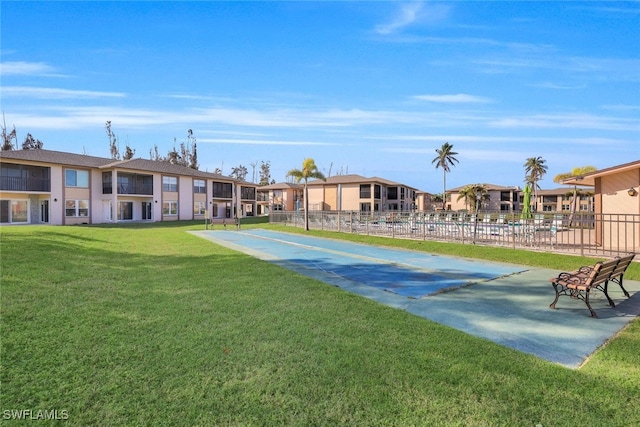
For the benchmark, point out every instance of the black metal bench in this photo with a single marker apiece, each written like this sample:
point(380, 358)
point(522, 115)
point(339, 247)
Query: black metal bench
point(578, 284)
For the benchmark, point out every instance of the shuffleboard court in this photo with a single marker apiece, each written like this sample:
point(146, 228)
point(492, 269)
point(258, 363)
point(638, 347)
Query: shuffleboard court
point(406, 273)
point(505, 303)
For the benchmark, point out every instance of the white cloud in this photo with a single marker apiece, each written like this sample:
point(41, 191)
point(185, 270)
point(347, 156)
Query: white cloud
point(411, 13)
point(259, 142)
point(490, 140)
point(404, 17)
point(455, 99)
point(567, 121)
point(55, 93)
point(551, 85)
point(26, 68)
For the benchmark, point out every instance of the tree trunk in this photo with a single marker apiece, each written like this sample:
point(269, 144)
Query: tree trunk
point(444, 189)
point(306, 206)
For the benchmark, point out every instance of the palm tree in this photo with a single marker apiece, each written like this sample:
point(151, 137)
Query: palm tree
point(577, 171)
point(309, 170)
point(535, 169)
point(445, 159)
point(474, 195)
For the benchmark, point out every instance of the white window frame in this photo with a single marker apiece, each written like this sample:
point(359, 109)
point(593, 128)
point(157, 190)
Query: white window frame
point(170, 208)
point(199, 208)
point(170, 183)
point(11, 210)
point(200, 186)
point(80, 208)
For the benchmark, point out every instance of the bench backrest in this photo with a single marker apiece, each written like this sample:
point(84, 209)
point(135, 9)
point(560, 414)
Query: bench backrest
point(622, 265)
point(601, 272)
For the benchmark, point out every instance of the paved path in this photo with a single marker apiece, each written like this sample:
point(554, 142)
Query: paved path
point(505, 303)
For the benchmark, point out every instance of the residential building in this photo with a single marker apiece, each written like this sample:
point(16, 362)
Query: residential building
point(59, 188)
point(498, 198)
point(283, 196)
point(356, 193)
point(561, 200)
point(616, 203)
point(426, 202)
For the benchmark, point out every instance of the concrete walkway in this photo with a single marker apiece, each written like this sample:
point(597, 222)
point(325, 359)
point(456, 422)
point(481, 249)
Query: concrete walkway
point(506, 304)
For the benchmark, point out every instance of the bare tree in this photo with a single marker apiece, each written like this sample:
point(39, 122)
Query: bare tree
point(265, 172)
point(155, 155)
point(113, 141)
point(128, 153)
point(7, 138)
point(240, 172)
point(30, 143)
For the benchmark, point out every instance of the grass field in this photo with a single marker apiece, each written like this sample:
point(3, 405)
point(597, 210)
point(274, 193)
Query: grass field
point(150, 325)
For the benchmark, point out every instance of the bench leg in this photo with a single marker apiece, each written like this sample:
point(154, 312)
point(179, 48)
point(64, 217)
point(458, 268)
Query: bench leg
point(606, 294)
point(619, 282)
point(586, 300)
point(555, 288)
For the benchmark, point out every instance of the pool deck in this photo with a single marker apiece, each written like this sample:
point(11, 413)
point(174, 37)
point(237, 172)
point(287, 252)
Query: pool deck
point(511, 309)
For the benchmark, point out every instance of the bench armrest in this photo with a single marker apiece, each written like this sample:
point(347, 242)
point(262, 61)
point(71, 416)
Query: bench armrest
point(576, 279)
point(585, 270)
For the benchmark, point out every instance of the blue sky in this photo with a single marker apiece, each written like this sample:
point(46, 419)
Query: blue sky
point(371, 88)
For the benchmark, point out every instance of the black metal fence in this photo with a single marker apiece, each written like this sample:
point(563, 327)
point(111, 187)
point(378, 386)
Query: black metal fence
point(585, 234)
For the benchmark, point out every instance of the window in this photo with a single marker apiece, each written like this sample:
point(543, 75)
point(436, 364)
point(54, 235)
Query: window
point(223, 190)
point(365, 192)
point(199, 208)
point(170, 208)
point(76, 208)
point(126, 184)
point(13, 211)
point(76, 178)
point(376, 191)
point(24, 178)
point(106, 183)
point(247, 193)
point(199, 186)
point(169, 183)
point(125, 211)
point(392, 193)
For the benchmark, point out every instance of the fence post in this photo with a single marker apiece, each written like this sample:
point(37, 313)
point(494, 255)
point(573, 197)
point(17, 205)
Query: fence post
point(581, 237)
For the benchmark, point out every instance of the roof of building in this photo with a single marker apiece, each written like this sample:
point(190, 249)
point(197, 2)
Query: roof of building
point(590, 178)
point(355, 179)
point(280, 186)
point(163, 167)
point(55, 157)
point(490, 187)
point(82, 160)
point(558, 191)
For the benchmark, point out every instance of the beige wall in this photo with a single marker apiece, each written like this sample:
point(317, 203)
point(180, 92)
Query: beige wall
point(616, 200)
point(350, 197)
point(185, 201)
point(316, 198)
point(331, 197)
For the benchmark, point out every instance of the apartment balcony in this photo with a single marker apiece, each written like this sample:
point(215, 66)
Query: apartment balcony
point(10, 183)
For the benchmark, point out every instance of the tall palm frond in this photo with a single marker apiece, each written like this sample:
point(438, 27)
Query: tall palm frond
point(309, 170)
point(445, 159)
point(535, 169)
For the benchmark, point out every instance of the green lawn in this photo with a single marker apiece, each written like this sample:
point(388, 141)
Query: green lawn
point(150, 325)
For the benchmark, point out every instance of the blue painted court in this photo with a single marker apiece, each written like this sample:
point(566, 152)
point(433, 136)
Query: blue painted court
point(505, 303)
